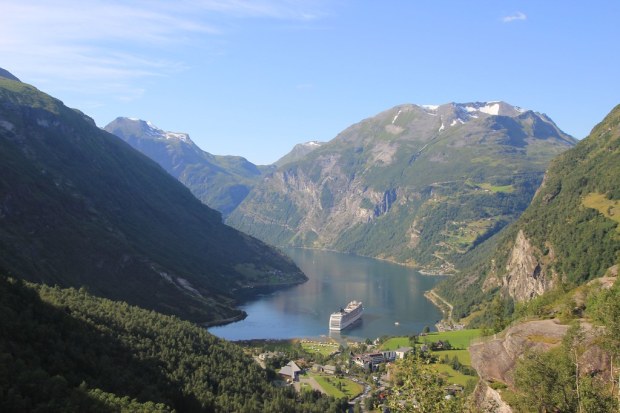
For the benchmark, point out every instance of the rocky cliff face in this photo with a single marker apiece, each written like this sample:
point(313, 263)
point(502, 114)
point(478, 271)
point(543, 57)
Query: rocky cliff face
point(526, 277)
point(420, 185)
point(495, 359)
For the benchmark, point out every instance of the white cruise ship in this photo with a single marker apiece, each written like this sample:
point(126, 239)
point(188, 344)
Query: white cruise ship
point(345, 317)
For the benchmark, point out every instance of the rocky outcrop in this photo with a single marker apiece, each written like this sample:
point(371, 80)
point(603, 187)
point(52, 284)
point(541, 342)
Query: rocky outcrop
point(495, 359)
point(489, 400)
point(526, 277)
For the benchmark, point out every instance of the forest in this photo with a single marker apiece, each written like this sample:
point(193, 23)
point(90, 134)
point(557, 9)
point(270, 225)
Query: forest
point(66, 350)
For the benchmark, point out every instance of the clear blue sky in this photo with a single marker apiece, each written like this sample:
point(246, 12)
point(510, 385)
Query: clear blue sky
point(252, 78)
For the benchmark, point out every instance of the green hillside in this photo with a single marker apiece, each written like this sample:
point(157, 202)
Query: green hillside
point(80, 207)
point(64, 350)
point(566, 237)
point(417, 185)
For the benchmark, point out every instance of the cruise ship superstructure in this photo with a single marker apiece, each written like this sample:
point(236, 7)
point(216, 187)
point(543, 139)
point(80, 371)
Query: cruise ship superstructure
point(347, 316)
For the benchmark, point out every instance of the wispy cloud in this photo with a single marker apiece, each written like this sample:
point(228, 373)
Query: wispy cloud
point(514, 17)
point(105, 46)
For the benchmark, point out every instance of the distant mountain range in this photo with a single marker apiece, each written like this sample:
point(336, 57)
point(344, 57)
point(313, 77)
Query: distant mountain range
point(420, 185)
point(221, 182)
point(79, 207)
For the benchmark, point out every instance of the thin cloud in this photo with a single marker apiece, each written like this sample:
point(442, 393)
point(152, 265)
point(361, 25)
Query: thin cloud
point(103, 47)
point(514, 17)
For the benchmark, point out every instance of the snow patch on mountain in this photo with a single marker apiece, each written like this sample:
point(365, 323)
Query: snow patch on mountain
point(156, 133)
point(490, 108)
point(178, 136)
point(396, 117)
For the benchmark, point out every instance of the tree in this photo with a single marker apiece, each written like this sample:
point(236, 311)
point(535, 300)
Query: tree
point(551, 381)
point(421, 390)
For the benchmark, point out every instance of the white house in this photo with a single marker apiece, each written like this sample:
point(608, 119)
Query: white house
point(401, 352)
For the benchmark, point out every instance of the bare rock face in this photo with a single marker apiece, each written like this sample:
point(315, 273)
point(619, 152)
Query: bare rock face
point(495, 359)
point(489, 400)
point(526, 277)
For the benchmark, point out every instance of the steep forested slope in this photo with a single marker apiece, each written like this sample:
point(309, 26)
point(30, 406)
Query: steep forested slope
point(65, 350)
point(568, 235)
point(80, 207)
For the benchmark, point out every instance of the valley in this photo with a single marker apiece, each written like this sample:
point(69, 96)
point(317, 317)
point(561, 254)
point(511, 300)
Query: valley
point(121, 246)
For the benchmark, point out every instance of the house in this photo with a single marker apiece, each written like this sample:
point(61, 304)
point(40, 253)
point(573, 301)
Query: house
point(402, 351)
point(389, 355)
point(369, 360)
point(440, 345)
point(290, 371)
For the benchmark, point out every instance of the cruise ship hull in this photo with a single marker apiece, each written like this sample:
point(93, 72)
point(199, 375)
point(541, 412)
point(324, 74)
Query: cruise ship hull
point(345, 318)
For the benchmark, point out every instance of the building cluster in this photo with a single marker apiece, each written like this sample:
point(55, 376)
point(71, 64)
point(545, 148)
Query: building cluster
point(370, 361)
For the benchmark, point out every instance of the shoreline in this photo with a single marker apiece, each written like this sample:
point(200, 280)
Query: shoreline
point(426, 272)
point(444, 306)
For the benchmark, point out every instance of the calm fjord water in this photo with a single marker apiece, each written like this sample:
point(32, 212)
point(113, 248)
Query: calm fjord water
point(391, 294)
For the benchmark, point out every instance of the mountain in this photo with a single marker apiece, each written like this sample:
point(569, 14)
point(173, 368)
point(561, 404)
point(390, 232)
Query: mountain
point(221, 182)
point(80, 207)
point(420, 185)
point(569, 234)
point(298, 152)
point(7, 75)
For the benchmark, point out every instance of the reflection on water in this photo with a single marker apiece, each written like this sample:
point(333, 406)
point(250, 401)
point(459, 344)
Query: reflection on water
point(390, 293)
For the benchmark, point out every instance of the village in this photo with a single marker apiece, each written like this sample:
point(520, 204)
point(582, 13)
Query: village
point(363, 371)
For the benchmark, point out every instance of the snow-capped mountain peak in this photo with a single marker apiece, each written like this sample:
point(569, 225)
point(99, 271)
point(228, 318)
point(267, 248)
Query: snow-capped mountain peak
point(148, 129)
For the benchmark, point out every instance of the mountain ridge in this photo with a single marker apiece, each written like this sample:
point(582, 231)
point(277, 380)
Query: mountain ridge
point(394, 180)
point(80, 207)
point(220, 182)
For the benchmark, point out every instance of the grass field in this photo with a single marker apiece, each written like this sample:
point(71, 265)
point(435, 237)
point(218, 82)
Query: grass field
point(608, 207)
point(497, 188)
point(462, 355)
point(458, 339)
point(317, 347)
point(452, 376)
point(396, 342)
point(329, 383)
